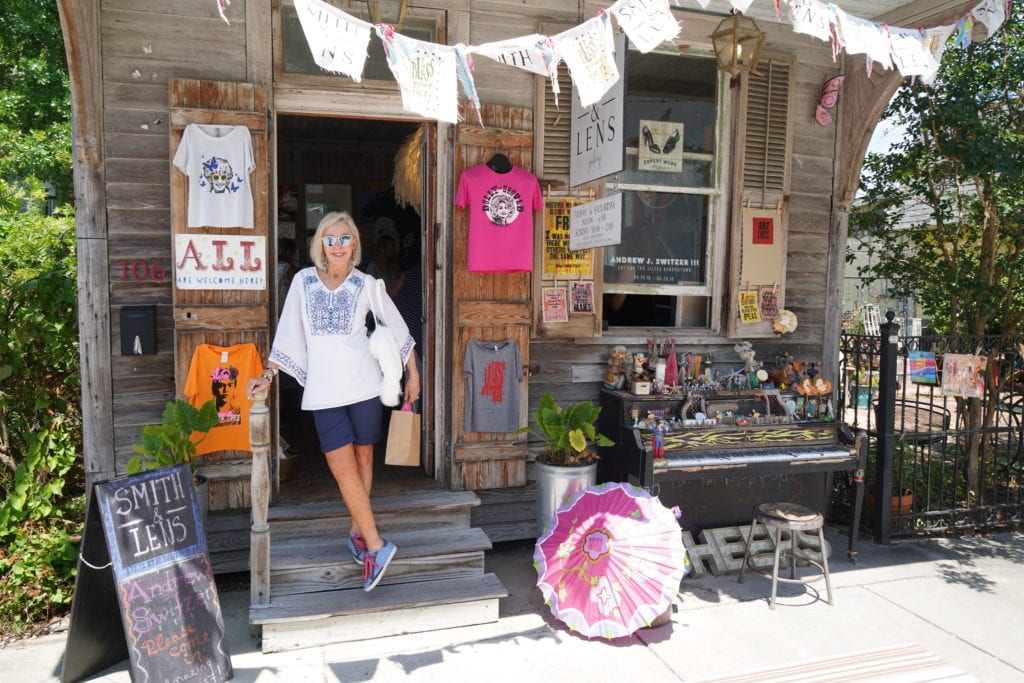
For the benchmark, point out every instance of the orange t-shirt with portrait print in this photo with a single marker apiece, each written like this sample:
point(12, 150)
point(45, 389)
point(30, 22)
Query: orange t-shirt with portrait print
point(221, 373)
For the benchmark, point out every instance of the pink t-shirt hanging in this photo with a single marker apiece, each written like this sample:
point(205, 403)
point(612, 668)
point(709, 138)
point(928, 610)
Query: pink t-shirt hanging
point(501, 207)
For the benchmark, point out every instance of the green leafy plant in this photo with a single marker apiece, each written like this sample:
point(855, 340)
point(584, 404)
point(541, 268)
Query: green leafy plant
point(37, 521)
point(171, 442)
point(569, 433)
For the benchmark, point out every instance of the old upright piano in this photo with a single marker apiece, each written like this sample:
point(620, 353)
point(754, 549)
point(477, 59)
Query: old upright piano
point(718, 454)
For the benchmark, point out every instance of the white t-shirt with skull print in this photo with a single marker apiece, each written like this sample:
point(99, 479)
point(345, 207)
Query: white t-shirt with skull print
point(217, 161)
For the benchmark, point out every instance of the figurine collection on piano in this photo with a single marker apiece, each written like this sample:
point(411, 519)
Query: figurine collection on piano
point(789, 391)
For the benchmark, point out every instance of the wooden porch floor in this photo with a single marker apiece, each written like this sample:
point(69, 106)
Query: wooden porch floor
point(313, 480)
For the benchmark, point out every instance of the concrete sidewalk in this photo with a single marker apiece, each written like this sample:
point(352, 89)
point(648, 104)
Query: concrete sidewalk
point(961, 600)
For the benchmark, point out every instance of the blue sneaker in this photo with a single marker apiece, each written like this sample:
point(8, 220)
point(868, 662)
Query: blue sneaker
point(357, 546)
point(375, 563)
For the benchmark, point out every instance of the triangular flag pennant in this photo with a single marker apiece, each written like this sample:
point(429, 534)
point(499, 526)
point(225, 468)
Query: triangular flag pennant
point(648, 23)
point(425, 73)
point(811, 17)
point(589, 52)
point(337, 40)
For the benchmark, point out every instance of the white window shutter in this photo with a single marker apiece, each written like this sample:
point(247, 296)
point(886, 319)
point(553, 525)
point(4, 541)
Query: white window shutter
point(766, 149)
point(554, 134)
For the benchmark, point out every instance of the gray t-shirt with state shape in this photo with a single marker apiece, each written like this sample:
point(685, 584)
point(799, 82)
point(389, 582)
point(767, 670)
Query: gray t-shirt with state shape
point(493, 371)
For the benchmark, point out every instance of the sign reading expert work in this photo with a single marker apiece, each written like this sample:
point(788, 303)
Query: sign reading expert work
point(155, 560)
point(596, 224)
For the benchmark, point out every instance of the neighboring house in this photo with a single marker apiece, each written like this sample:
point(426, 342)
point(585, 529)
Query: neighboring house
point(859, 290)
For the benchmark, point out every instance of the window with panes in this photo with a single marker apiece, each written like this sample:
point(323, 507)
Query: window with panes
point(659, 275)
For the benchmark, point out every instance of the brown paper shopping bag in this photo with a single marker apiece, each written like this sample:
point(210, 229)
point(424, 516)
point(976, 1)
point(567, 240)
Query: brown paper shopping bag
point(403, 438)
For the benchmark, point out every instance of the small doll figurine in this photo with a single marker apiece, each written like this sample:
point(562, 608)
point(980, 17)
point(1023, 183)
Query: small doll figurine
point(639, 361)
point(615, 377)
point(658, 442)
point(746, 353)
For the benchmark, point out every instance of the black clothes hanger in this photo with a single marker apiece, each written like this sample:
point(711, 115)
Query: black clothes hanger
point(499, 163)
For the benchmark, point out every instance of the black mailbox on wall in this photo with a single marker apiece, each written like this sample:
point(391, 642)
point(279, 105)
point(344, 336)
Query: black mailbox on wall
point(138, 330)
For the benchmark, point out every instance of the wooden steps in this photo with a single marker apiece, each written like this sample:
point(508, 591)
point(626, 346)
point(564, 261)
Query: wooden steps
point(507, 514)
point(312, 619)
point(299, 564)
point(227, 531)
point(436, 579)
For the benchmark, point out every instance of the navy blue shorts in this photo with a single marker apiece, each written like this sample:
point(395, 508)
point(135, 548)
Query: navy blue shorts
point(360, 423)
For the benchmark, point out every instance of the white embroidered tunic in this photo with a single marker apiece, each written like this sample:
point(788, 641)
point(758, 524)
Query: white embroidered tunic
point(321, 339)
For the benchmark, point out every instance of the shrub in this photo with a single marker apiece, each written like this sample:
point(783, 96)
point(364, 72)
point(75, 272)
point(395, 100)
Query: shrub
point(41, 477)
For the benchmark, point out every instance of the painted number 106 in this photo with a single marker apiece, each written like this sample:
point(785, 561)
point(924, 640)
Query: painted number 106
point(139, 271)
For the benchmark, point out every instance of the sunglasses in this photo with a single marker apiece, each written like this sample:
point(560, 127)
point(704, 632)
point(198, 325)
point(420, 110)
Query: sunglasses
point(344, 240)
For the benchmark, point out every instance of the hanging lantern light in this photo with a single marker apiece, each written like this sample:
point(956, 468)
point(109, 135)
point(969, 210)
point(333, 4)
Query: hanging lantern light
point(387, 12)
point(737, 42)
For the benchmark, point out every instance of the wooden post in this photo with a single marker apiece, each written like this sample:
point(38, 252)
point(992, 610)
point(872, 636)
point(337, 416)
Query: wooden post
point(259, 536)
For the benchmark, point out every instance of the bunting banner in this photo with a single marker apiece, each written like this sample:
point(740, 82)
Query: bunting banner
point(425, 73)
point(337, 40)
point(811, 17)
point(589, 52)
point(428, 74)
point(648, 23)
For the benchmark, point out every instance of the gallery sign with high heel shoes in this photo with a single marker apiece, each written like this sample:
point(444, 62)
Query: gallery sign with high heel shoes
point(661, 146)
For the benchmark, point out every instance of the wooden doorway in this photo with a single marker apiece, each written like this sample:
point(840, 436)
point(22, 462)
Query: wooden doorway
point(330, 163)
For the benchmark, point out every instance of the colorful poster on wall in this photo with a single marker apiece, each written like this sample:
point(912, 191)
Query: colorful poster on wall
point(582, 297)
point(559, 259)
point(769, 301)
point(555, 306)
point(963, 374)
point(921, 367)
point(749, 311)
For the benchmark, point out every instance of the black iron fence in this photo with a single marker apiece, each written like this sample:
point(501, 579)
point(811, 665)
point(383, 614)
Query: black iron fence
point(944, 418)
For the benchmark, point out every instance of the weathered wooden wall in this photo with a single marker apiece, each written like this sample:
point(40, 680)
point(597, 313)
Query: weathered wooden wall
point(143, 43)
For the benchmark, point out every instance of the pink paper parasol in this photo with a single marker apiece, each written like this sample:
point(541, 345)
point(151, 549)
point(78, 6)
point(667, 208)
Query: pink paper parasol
point(611, 561)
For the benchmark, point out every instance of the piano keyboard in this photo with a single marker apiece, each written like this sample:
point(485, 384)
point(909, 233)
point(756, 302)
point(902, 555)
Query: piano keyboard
point(754, 457)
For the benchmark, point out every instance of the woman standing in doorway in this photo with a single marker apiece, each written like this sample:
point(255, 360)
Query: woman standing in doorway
point(322, 341)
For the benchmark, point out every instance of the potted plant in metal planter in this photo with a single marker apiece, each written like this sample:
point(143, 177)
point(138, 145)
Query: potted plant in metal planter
point(172, 442)
point(568, 463)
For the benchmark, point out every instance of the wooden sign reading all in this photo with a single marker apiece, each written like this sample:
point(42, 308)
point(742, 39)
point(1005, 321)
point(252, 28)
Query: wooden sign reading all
point(154, 560)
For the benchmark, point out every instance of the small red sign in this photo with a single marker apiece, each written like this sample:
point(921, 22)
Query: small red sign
point(764, 230)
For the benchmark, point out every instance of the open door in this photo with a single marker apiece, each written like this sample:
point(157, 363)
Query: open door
point(489, 307)
point(229, 316)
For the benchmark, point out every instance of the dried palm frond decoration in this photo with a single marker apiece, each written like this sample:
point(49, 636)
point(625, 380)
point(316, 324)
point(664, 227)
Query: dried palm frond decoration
point(407, 181)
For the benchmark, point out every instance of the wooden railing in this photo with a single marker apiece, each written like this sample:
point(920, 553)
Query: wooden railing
point(259, 534)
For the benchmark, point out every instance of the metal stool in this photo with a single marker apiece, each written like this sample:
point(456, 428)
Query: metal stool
point(792, 518)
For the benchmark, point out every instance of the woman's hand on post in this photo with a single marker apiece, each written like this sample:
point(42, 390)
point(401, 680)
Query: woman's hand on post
point(261, 383)
point(257, 384)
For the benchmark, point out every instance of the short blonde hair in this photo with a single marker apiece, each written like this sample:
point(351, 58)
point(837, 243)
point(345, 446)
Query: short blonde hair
point(316, 246)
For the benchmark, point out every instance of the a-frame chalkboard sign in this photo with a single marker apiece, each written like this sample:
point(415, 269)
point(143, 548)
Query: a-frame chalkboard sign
point(145, 585)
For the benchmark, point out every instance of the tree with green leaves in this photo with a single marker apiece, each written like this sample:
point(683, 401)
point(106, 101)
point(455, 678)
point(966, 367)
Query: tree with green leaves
point(35, 96)
point(942, 216)
point(962, 161)
point(41, 474)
